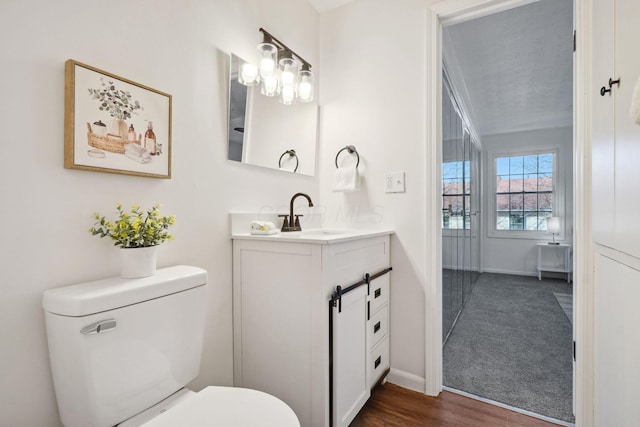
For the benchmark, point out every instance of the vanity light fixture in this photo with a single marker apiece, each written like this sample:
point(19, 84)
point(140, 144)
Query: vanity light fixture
point(553, 227)
point(290, 78)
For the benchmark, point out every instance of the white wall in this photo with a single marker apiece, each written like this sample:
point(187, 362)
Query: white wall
point(173, 46)
point(517, 255)
point(373, 96)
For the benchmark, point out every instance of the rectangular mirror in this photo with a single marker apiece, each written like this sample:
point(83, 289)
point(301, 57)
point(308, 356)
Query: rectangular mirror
point(263, 132)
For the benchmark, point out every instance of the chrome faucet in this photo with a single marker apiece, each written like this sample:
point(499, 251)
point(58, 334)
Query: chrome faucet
point(292, 222)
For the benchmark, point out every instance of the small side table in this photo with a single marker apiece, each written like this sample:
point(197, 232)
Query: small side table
point(564, 252)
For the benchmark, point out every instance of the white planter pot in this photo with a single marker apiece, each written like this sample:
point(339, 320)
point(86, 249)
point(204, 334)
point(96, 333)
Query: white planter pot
point(137, 262)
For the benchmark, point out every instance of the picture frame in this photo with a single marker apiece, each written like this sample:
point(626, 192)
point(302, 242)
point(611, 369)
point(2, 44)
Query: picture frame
point(115, 125)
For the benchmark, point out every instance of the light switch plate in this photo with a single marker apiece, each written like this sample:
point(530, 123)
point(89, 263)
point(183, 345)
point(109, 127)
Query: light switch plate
point(394, 182)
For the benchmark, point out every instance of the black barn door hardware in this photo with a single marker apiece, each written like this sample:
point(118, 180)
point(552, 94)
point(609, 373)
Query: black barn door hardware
point(336, 297)
point(604, 90)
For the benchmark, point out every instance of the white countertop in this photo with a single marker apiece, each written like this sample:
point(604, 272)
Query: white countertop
point(317, 236)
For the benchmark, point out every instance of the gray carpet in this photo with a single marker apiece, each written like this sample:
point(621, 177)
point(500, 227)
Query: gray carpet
point(512, 344)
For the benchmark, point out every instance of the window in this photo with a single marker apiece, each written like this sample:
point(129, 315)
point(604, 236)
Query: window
point(456, 195)
point(524, 191)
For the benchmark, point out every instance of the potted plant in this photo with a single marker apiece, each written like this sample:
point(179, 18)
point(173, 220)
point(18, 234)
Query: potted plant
point(138, 234)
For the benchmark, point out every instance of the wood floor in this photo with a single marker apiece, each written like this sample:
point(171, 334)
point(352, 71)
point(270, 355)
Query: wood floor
point(393, 406)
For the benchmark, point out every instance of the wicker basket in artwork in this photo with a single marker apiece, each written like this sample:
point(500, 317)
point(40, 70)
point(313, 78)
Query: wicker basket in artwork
point(109, 142)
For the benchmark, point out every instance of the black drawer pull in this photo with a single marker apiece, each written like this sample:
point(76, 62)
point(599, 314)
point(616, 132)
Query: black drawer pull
point(377, 362)
point(377, 293)
point(376, 327)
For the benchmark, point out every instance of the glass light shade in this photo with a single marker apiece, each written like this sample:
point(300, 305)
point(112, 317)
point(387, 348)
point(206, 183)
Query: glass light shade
point(288, 72)
point(305, 86)
point(287, 95)
point(248, 74)
point(267, 59)
point(269, 86)
point(553, 224)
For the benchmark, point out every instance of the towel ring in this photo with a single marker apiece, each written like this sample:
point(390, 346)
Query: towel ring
point(291, 153)
point(351, 149)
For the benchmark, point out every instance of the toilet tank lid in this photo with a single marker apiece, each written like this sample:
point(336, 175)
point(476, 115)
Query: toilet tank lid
point(107, 294)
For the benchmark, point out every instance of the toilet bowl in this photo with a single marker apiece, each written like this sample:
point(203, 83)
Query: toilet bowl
point(123, 350)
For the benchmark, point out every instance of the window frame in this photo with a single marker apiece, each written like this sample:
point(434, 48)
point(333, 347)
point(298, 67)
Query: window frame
point(558, 190)
point(463, 195)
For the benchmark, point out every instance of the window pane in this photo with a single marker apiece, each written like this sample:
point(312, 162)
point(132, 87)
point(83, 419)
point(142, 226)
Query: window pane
point(545, 163)
point(447, 186)
point(448, 170)
point(531, 221)
point(502, 166)
point(530, 182)
point(530, 202)
point(515, 185)
point(530, 164)
point(516, 165)
point(502, 221)
point(502, 203)
point(453, 203)
point(545, 182)
point(502, 185)
point(543, 220)
point(545, 202)
point(516, 202)
point(516, 221)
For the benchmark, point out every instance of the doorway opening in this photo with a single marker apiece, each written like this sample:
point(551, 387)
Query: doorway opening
point(506, 177)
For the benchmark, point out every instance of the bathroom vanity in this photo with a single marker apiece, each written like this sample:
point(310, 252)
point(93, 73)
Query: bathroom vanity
point(319, 348)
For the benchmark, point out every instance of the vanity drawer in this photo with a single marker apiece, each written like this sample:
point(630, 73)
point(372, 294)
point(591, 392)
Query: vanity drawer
point(379, 292)
point(379, 360)
point(378, 326)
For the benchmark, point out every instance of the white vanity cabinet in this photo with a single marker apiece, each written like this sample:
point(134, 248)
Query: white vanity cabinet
point(282, 291)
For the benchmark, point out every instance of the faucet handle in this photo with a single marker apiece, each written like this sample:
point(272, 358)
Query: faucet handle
point(297, 222)
point(285, 223)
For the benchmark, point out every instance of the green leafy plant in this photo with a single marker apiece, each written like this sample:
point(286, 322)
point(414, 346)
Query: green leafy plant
point(135, 228)
point(118, 103)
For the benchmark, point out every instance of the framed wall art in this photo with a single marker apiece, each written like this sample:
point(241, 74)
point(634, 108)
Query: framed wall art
point(115, 125)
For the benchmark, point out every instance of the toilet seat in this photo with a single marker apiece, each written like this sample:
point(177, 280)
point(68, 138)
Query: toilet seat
point(229, 407)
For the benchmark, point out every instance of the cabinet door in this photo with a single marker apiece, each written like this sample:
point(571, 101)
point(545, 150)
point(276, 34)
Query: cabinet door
point(603, 143)
point(627, 134)
point(350, 356)
point(617, 343)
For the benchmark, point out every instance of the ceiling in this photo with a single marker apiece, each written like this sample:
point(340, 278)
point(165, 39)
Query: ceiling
point(514, 69)
point(324, 5)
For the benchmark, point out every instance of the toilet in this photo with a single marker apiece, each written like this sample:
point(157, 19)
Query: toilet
point(123, 350)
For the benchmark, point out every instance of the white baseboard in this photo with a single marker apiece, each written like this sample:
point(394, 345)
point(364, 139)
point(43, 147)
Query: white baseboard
point(406, 380)
point(517, 273)
point(455, 267)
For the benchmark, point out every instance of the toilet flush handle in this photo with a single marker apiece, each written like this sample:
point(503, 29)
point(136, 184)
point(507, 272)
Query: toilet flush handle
point(99, 327)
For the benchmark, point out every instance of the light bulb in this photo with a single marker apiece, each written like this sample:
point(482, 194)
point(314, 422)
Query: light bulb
point(267, 59)
point(287, 95)
point(269, 86)
point(305, 87)
point(305, 92)
point(267, 66)
point(287, 78)
point(248, 75)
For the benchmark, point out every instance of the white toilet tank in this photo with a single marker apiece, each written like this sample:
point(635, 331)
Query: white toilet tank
point(118, 346)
